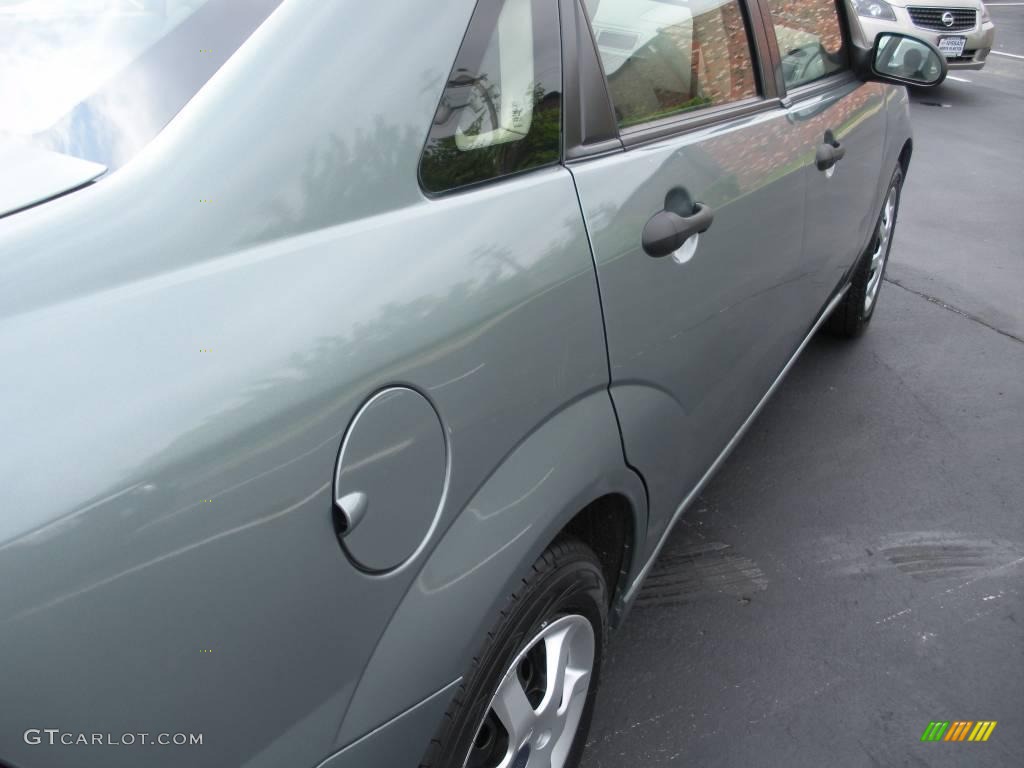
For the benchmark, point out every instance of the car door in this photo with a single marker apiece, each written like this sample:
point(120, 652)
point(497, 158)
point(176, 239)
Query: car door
point(697, 335)
point(840, 122)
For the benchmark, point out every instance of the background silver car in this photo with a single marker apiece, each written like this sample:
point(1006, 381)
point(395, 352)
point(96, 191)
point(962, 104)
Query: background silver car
point(962, 30)
point(350, 393)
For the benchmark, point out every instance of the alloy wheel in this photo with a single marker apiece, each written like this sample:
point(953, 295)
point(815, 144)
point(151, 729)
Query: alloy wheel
point(883, 238)
point(533, 717)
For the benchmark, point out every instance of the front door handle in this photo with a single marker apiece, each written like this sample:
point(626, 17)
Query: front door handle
point(829, 153)
point(667, 230)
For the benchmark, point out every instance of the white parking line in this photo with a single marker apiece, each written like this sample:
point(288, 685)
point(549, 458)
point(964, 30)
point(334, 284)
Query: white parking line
point(958, 79)
point(1011, 55)
point(999, 5)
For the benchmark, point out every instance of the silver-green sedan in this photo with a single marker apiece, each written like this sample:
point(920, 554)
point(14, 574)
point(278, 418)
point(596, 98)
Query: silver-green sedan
point(358, 360)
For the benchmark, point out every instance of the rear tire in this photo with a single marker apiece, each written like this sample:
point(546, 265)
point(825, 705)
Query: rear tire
point(851, 317)
point(548, 644)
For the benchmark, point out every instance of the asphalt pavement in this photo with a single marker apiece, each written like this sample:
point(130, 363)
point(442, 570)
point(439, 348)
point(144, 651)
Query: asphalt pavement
point(856, 570)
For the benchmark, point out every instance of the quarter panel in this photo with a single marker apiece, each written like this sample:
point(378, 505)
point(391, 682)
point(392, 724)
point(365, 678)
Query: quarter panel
point(168, 499)
point(186, 371)
point(400, 741)
point(574, 458)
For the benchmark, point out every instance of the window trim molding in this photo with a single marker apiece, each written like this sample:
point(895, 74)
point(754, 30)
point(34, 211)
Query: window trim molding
point(820, 86)
point(770, 54)
point(686, 122)
point(588, 120)
point(760, 49)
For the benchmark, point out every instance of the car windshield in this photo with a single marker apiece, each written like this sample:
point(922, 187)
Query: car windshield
point(98, 79)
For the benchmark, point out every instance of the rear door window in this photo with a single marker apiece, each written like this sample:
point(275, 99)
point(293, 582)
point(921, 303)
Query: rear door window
point(500, 112)
point(668, 57)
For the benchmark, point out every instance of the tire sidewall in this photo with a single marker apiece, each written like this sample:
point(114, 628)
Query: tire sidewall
point(573, 585)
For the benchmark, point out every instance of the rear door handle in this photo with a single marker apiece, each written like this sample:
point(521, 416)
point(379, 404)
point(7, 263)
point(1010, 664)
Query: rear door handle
point(829, 153)
point(667, 230)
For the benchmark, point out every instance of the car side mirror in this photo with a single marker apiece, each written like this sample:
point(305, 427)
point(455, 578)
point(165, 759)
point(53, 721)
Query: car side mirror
point(899, 58)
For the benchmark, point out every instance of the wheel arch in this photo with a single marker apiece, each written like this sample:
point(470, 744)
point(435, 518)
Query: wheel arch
point(568, 477)
point(608, 525)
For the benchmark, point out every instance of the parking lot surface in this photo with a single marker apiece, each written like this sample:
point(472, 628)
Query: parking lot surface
point(856, 570)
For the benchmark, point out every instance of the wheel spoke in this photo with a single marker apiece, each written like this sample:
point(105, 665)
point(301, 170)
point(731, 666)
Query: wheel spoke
point(566, 718)
point(556, 647)
point(577, 682)
point(889, 214)
point(876, 257)
point(513, 708)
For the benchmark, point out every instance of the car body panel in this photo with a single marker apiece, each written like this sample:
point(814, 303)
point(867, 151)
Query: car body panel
point(194, 334)
point(197, 331)
point(898, 133)
point(694, 345)
point(399, 741)
point(500, 533)
point(841, 205)
point(32, 175)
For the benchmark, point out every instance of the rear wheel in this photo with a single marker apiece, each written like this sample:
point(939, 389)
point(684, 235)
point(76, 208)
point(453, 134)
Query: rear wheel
point(854, 312)
point(527, 698)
